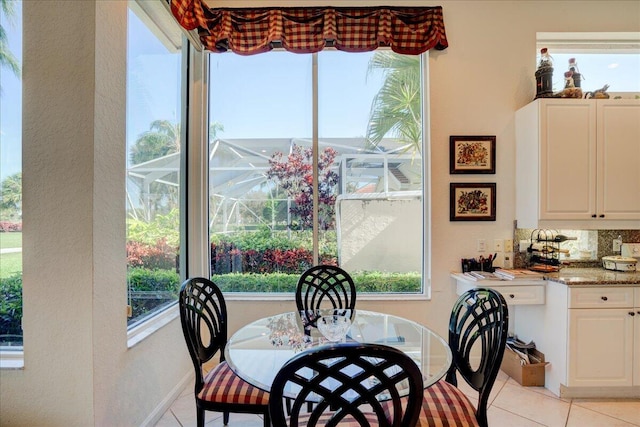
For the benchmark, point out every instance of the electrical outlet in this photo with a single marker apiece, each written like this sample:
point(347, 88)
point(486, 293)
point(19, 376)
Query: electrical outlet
point(617, 245)
point(498, 245)
point(482, 245)
point(508, 260)
point(508, 245)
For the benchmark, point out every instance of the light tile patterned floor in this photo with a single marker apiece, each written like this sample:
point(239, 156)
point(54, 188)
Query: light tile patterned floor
point(511, 405)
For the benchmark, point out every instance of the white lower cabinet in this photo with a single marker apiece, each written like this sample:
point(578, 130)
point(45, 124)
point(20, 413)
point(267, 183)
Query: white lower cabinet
point(601, 337)
point(636, 339)
point(591, 338)
point(600, 347)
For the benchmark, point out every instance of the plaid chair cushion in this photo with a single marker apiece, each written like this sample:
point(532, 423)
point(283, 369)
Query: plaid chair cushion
point(346, 422)
point(222, 385)
point(445, 405)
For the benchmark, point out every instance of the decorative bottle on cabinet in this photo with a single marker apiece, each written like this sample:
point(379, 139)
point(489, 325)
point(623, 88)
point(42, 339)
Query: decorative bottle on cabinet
point(577, 77)
point(544, 75)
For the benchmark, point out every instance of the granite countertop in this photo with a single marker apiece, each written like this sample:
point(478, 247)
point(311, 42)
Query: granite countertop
point(593, 276)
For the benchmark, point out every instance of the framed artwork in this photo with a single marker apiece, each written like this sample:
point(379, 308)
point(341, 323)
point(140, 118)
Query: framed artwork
point(472, 201)
point(472, 154)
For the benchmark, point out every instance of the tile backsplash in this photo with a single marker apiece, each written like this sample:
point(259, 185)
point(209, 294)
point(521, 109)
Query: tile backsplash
point(599, 242)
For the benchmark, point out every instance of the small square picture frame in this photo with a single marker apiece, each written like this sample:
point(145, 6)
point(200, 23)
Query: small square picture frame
point(472, 154)
point(472, 201)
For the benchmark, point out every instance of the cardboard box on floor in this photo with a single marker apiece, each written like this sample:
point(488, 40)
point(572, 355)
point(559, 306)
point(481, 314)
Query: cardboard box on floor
point(530, 375)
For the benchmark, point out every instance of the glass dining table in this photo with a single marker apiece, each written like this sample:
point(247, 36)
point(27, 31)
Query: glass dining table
point(257, 351)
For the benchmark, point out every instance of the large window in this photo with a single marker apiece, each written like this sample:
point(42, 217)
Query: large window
point(154, 109)
point(353, 122)
point(10, 174)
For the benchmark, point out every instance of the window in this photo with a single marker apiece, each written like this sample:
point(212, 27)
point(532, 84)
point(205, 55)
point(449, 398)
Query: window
point(10, 175)
point(365, 141)
point(611, 59)
point(154, 111)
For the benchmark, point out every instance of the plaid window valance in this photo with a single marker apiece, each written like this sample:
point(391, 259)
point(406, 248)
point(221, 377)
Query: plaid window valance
point(407, 30)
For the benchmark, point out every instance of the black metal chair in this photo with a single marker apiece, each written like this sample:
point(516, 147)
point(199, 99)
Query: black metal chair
point(325, 286)
point(480, 317)
point(345, 382)
point(203, 314)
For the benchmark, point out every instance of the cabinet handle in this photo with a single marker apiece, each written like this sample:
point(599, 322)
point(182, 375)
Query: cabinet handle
point(601, 215)
point(631, 313)
point(512, 296)
point(604, 298)
point(593, 216)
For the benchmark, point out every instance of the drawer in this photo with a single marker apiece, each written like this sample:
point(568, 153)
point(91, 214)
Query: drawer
point(601, 297)
point(522, 295)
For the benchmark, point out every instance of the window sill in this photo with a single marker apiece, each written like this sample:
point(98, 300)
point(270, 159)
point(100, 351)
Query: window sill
point(11, 359)
point(241, 296)
point(139, 332)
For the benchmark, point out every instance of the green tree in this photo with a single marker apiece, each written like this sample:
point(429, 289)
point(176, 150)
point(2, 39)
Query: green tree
point(396, 108)
point(162, 138)
point(11, 196)
point(7, 59)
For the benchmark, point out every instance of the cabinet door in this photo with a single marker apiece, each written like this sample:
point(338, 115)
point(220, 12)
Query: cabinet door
point(567, 160)
point(636, 341)
point(636, 354)
point(618, 124)
point(600, 347)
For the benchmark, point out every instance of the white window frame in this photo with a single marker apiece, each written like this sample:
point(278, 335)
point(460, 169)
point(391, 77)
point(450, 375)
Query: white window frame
point(200, 109)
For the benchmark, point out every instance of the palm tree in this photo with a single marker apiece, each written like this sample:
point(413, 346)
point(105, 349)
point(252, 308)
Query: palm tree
point(6, 57)
point(396, 108)
point(162, 138)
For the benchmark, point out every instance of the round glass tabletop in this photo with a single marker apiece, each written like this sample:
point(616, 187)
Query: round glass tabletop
point(257, 351)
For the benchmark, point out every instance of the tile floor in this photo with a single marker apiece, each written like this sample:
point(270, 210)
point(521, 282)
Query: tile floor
point(511, 405)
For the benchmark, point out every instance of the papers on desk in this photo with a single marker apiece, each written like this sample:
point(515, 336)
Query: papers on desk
point(478, 275)
point(499, 274)
point(506, 274)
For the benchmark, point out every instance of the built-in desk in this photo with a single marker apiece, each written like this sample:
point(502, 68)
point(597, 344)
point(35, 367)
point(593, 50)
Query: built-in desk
point(588, 327)
point(515, 292)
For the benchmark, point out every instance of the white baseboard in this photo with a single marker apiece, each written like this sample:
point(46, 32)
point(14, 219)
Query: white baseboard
point(166, 403)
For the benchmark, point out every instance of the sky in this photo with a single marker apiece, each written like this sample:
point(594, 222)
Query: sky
point(11, 101)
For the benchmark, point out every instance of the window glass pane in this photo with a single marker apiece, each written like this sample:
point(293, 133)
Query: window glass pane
point(618, 70)
point(370, 118)
point(261, 170)
point(11, 175)
point(153, 168)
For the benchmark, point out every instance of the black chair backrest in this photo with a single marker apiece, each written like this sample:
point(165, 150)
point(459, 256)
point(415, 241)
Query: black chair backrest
point(203, 313)
point(325, 286)
point(480, 317)
point(345, 382)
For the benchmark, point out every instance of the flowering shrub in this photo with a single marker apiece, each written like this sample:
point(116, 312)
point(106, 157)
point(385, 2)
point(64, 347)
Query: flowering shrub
point(6, 226)
point(158, 256)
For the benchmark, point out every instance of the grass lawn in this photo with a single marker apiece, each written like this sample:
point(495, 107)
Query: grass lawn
point(10, 263)
point(11, 239)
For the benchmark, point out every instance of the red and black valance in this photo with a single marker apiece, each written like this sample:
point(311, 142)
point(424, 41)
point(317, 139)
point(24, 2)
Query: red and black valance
point(407, 30)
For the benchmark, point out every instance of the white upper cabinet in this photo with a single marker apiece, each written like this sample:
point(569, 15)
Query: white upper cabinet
point(578, 164)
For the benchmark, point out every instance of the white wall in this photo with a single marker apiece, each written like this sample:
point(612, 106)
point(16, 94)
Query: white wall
point(78, 370)
point(379, 234)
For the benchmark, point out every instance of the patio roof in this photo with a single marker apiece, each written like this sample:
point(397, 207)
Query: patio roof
point(239, 165)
